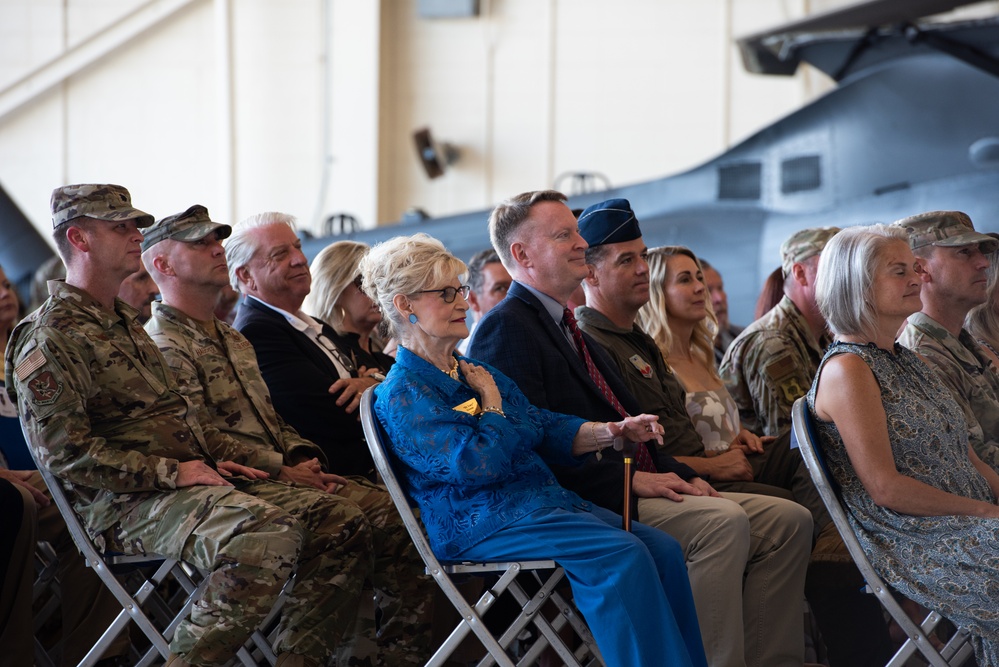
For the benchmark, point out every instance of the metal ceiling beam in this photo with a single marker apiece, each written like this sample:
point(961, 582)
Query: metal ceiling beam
point(92, 49)
point(759, 54)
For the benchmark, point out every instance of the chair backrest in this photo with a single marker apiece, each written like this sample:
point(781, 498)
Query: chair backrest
point(804, 437)
point(97, 563)
point(58, 493)
point(376, 438)
point(157, 629)
point(505, 579)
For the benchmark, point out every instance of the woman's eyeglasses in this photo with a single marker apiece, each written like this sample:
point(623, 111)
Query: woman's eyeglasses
point(449, 293)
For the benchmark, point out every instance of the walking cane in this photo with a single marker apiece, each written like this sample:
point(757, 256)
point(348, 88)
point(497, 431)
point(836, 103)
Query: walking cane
point(628, 459)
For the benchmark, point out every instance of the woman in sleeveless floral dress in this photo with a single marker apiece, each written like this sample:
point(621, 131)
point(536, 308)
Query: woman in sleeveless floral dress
point(679, 318)
point(921, 502)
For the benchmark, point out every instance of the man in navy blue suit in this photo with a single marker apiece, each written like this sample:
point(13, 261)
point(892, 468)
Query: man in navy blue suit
point(745, 553)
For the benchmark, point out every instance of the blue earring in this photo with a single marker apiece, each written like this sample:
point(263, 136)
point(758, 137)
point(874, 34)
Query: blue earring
point(412, 318)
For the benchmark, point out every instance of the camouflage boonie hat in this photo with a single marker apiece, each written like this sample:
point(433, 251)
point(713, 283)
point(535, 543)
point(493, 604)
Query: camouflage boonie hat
point(191, 225)
point(944, 228)
point(99, 201)
point(804, 244)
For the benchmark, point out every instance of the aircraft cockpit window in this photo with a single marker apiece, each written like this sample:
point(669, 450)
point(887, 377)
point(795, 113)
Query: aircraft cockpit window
point(739, 181)
point(800, 174)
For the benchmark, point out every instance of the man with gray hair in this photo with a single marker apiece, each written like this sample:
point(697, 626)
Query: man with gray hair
point(954, 261)
point(315, 387)
point(102, 411)
point(217, 369)
point(772, 362)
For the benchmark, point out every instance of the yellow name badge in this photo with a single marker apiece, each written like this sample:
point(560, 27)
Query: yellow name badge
point(471, 407)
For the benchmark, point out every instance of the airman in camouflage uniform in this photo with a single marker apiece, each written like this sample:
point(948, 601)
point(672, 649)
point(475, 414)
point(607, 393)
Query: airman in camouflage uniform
point(217, 370)
point(772, 362)
point(103, 411)
point(956, 275)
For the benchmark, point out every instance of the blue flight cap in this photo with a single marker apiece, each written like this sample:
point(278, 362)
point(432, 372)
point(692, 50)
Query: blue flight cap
point(610, 221)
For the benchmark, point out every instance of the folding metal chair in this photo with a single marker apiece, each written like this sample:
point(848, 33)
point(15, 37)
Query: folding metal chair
point(547, 573)
point(958, 649)
point(140, 593)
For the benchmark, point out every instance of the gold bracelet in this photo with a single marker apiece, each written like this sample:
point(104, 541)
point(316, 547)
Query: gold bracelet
point(495, 411)
point(593, 434)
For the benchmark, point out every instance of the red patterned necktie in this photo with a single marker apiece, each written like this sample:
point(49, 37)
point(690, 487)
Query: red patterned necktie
point(642, 456)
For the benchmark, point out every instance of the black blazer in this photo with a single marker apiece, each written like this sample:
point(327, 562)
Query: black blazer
point(520, 338)
point(299, 374)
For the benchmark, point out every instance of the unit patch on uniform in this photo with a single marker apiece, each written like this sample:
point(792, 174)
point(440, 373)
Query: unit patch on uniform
point(784, 373)
point(792, 390)
point(644, 367)
point(45, 389)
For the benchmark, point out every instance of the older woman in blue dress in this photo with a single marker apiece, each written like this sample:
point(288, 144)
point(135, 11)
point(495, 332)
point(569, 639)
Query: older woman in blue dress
point(922, 503)
point(472, 451)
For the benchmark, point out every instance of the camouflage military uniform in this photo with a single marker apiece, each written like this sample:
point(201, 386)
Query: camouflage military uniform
point(967, 372)
point(221, 374)
point(770, 365)
point(103, 412)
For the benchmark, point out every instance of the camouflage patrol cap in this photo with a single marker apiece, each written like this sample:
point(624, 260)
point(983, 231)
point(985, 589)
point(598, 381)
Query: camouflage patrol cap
point(191, 225)
point(99, 201)
point(944, 228)
point(804, 244)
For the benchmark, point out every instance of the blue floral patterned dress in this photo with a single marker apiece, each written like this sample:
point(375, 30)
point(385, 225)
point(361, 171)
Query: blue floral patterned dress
point(947, 563)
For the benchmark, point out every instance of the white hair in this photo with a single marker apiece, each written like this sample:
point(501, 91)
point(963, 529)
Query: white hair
point(405, 265)
point(240, 246)
point(844, 284)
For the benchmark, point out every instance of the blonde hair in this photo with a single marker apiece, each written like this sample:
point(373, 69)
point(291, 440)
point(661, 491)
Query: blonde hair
point(333, 270)
point(405, 265)
point(654, 318)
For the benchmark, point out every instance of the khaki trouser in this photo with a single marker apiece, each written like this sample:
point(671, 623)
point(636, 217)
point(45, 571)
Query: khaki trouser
point(746, 558)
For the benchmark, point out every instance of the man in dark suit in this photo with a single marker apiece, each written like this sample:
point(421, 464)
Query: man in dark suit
point(315, 387)
point(531, 337)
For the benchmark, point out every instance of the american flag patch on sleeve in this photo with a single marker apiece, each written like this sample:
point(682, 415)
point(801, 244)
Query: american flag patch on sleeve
point(30, 364)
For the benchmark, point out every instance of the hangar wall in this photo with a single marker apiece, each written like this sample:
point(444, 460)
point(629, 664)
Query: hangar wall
point(231, 103)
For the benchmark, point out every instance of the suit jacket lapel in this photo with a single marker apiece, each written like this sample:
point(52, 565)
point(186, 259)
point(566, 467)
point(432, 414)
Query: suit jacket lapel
point(302, 340)
point(558, 337)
